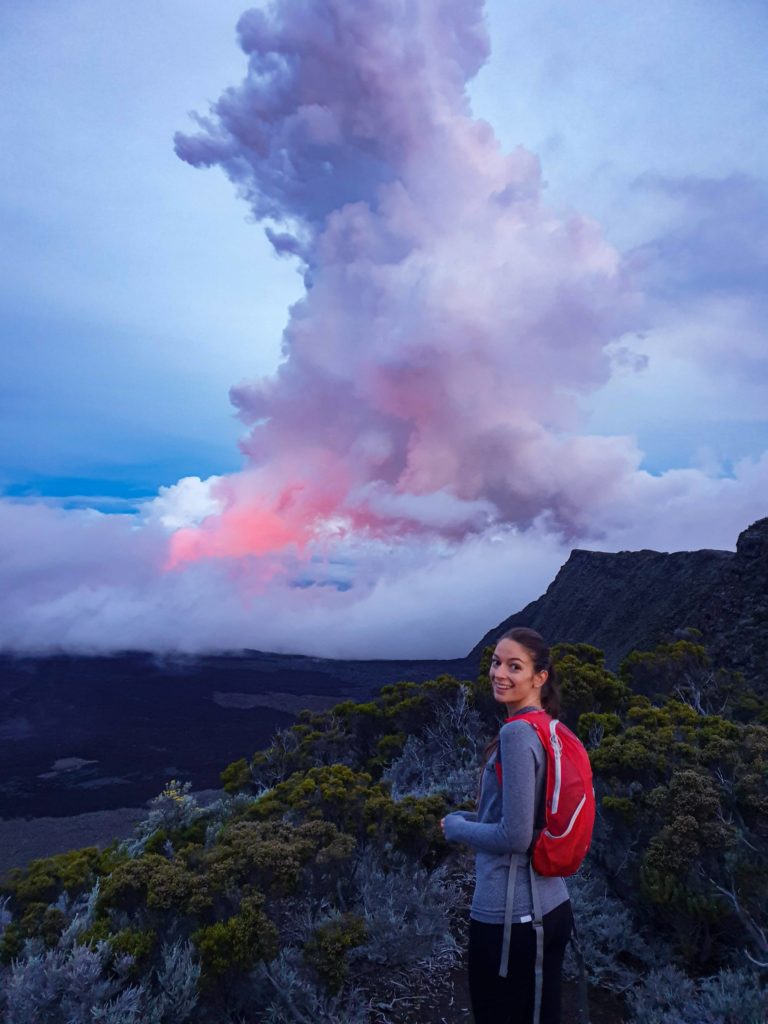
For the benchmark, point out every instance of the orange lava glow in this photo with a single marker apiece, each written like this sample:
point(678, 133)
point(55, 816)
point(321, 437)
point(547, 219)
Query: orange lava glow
point(263, 516)
point(235, 533)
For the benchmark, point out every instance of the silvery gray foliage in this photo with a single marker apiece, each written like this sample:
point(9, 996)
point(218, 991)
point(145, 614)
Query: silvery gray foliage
point(177, 979)
point(290, 997)
point(616, 956)
point(75, 984)
point(670, 997)
point(5, 915)
point(81, 913)
point(406, 910)
point(302, 917)
point(176, 807)
point(125, 1008)
point(611, 849)
point(67, 986)
point(212, 833)
point(443, 758)
point(276, 766)
point(220, 811)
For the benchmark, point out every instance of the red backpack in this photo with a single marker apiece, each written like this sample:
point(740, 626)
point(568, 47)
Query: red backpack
point(569, 814)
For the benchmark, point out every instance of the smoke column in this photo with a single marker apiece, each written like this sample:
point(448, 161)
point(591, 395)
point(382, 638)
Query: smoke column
point(431, 372)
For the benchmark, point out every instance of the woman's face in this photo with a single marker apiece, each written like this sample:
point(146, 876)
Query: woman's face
point(515, 681)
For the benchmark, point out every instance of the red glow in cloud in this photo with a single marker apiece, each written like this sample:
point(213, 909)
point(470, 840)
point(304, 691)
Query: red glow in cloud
point(263, 514)
point(250, 530)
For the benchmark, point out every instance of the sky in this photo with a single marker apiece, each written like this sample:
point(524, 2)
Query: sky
point(333, 328)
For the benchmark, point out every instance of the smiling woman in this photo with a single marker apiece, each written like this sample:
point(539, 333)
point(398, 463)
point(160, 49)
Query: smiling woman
point(516, 679)
point(520, 921)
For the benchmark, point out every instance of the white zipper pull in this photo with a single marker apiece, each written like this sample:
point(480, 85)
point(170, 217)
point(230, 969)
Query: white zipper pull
point(557, 747)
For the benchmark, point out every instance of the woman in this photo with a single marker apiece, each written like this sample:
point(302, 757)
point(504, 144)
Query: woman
point(501, 831)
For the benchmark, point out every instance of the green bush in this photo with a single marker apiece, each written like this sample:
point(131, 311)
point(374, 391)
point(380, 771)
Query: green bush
point(43, 880)
point(236, 776)
point(275, 856)
point(237, 943)
point(156, 883)
point(327, 948)
point(135, 943)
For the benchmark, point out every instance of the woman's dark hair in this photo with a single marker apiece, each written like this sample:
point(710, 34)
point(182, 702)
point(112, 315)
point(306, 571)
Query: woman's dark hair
point(538, 649)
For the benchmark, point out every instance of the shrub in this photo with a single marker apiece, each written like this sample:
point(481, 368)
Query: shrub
point(173, 809)
point(327, 948)
point(615, 954)
point(444, 758)
point(156, 883)
point(405, 908)
point(350, 734)
point(237, 943)
point(138, 945)
point(290, 997)
point(236, 776)
point(587, 685)
point(177, 978)
point(43, 880)
point(669, 997)
point(660, 672)
point(71, 987)
point(592, 727)
point(276, 857)
point(82, 984)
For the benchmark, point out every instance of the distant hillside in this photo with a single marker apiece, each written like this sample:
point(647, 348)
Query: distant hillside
point(634, 599)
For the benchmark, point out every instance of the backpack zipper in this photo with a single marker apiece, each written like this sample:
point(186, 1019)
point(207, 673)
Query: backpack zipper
point(571, 823)
point(557, 749)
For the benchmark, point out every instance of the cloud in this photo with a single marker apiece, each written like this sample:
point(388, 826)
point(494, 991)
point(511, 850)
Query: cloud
point(705, 273)
point(186, 503)
point(89, 582)
point(715, 240)
point(418, 466)
point(450, 317)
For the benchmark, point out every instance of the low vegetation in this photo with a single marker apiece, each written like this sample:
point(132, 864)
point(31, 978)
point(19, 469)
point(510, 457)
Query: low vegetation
point(320, 888)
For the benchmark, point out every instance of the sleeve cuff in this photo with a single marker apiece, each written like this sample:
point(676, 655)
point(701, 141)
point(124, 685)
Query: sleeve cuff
point(455, 827)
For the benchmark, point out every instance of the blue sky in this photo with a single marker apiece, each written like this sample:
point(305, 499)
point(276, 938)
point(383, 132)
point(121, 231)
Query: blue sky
point(136, 290)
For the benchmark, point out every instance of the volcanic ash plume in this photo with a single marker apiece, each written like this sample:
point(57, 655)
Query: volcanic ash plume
point(417, 468)
point(451, 321)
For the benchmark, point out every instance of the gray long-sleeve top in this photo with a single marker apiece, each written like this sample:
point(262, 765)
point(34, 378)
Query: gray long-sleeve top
point(504, 824)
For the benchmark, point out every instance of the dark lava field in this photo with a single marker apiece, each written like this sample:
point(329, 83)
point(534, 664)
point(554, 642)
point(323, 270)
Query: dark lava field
point(80, 734)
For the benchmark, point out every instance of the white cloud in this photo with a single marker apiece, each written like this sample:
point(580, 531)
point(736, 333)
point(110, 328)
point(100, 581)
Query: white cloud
point(185, 503)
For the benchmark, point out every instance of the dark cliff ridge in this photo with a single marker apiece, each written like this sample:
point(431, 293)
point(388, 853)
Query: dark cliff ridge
point(636, 599)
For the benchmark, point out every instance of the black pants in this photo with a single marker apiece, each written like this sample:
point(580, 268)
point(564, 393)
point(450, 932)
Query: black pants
point(509, 1000)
